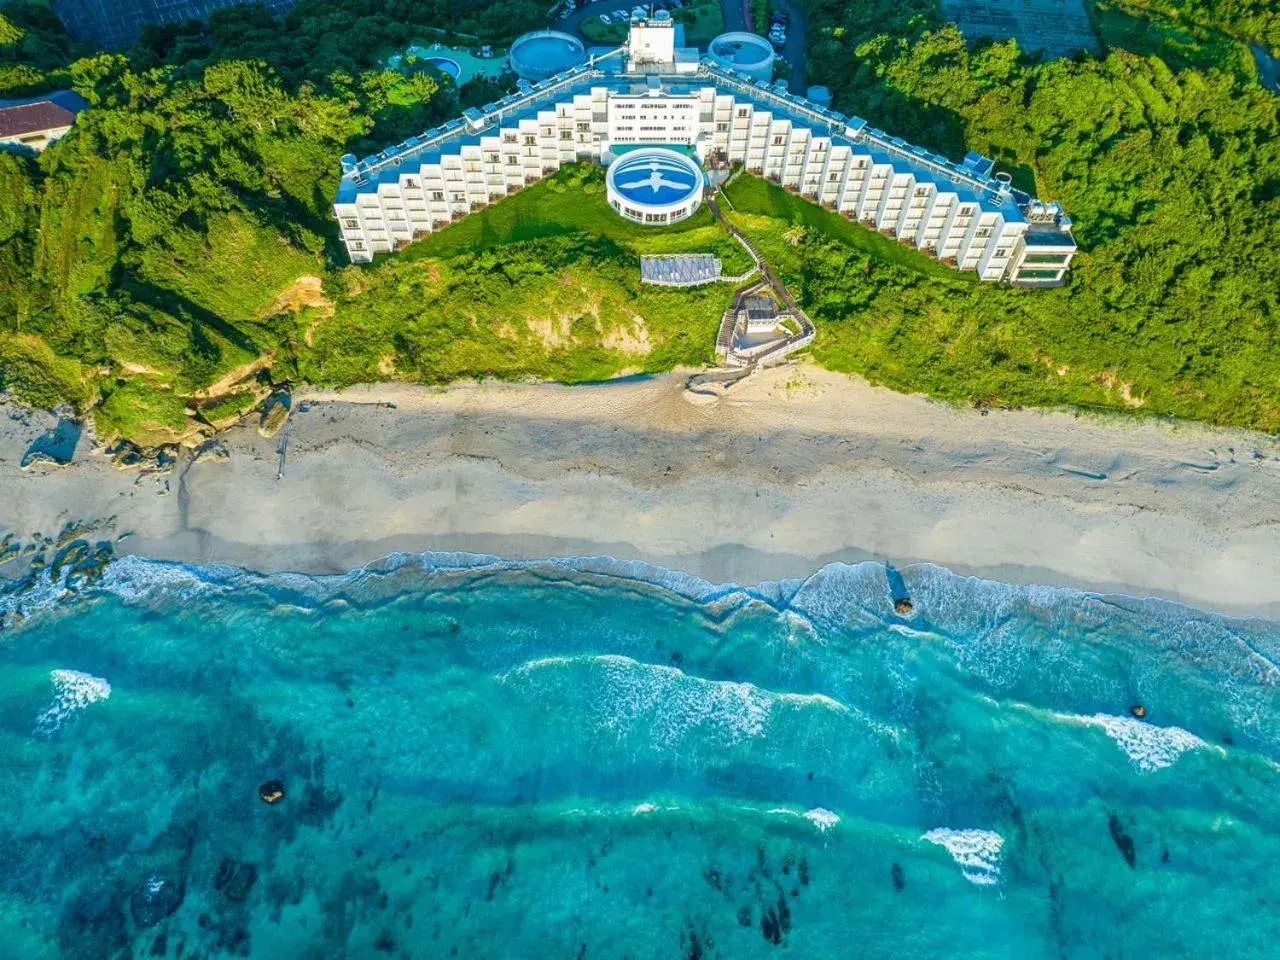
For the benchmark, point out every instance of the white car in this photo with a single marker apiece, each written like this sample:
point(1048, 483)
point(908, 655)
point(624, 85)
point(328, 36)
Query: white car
point(604, 18)
point(639, 12)
point(621, 15)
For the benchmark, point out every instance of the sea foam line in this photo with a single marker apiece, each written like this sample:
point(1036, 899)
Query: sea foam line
point(977, 852)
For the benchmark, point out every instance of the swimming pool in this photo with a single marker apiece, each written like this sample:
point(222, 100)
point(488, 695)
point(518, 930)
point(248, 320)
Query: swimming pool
point(538, 55)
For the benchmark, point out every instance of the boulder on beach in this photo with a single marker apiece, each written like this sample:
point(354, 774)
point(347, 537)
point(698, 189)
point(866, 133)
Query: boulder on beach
point(274, 415)
point(211, 450)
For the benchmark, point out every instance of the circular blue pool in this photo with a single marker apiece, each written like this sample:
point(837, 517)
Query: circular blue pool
point(538, 55)
point(445, 65)
point(654, 185)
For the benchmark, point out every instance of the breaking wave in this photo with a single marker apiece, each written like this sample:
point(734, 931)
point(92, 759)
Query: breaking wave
point(72, 692)
point(977, 852)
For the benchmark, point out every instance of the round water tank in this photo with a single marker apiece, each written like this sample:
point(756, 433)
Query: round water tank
point(747, 53)
point(819, 95)
point(544, 53)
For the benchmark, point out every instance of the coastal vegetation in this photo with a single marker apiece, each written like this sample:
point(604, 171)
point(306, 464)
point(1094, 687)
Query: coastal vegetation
point(174, 257)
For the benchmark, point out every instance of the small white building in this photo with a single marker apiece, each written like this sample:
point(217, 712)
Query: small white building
point(602, 111)
point(31, 125)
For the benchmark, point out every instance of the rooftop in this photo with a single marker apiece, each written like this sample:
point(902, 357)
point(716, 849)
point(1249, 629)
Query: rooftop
point(972, 179)
point(49, 111)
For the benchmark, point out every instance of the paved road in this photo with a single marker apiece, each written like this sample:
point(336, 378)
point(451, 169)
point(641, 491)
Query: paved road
point(737, 16)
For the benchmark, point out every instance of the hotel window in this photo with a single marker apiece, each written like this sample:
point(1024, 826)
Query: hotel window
point(566, 134)
point(508, 138)
point(410, 182)
point(512, 160)
point(722, 127)
point(744, 112)
point(778, 139)
point(437, 194)
point(351, 224)
point(982, 232)
point(1002, 252)
point(357, 244)
point(584, 127)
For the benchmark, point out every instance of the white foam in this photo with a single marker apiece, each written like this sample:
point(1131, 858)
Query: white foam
point(977, 852)
point(72, 691)
point(1148, 746)
point(642, 808)
point(664, 704)
point(822, 818)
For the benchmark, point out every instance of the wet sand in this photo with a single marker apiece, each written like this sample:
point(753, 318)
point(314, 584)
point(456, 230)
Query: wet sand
point(795, 468)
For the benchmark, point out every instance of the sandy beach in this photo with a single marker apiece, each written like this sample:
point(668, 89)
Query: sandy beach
point(795, 468)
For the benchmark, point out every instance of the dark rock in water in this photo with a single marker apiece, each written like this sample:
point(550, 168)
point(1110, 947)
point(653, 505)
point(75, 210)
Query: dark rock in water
point(158, 896)
point(899, 877)
point(1122, 840)
point(769, 928)
point(903, 607)
point(1139, 711)
point(160, 945)
point(235, 879)
point(744, 916)
point(272, 791)
point(92, 926)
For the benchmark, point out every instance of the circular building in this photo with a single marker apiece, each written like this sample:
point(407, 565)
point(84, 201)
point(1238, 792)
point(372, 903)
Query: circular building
point(819, 95)
point(543, 53)
point(746, 53)
point(654, 185)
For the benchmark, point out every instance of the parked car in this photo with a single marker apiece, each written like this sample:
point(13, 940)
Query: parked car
point(604, 18)
point(640, 12)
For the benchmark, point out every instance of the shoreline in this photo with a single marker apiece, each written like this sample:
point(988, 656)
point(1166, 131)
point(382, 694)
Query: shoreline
point(796, 468)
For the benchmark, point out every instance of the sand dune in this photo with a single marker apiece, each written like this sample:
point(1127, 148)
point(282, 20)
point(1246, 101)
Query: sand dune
point(795, 467)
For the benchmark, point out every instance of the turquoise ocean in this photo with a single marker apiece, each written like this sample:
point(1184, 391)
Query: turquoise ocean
point(597, 759)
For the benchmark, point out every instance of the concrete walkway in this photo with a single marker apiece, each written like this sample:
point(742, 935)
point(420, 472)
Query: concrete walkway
point(784, 347)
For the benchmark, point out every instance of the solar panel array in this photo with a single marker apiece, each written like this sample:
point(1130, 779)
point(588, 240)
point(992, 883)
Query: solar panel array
point(116, 23)
point(680, 270)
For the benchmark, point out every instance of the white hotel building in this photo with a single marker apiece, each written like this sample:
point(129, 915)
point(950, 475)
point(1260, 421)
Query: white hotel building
point(656, 94)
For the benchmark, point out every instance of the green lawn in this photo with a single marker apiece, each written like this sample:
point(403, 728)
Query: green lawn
point(573, 201)
point(754, 196)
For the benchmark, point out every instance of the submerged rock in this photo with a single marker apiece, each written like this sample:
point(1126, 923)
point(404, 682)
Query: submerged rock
point(158, 896)
point(1139, 711)
point(235, 879)
point(1122, 840)
point(903, 607)
point(272, 791)
point(898, 876)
